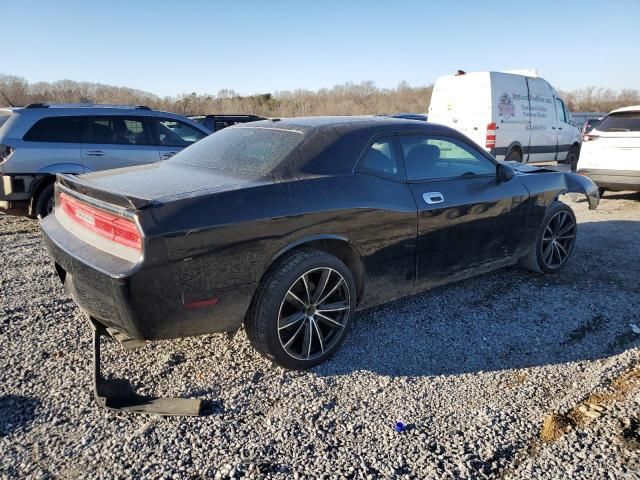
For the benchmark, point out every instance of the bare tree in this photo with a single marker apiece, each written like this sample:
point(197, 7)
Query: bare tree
point(363, 98)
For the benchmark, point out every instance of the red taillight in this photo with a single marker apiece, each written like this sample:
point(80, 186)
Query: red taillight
point(589, 138)
point(491, 135)
point(114, 227)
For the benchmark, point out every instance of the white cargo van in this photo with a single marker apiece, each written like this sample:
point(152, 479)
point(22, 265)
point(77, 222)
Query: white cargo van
point(514, 115)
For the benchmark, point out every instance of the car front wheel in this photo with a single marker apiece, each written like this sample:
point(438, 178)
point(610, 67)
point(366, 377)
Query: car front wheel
point(303, 309)
point(555, 240)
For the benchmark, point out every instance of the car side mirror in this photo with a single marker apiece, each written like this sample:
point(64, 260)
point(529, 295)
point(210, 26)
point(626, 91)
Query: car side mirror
point(505, 172)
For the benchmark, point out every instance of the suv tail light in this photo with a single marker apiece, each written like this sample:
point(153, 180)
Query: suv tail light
point(5, 152)
point(588, 137)
point(114, 227)
point(491, 135)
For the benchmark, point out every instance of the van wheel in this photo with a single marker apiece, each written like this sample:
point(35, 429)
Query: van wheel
point(514, 156)
point(45, 202)
point(572, 158)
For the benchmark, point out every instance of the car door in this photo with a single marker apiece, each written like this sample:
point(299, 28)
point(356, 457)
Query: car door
point(564, 130)
point(171, 135)
point(114, 141)
point(467, 219)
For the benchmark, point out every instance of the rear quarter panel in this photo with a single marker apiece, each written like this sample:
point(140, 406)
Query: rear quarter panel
point(232, 238)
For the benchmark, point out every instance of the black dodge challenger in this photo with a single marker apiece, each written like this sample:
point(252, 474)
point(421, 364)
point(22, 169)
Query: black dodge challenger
point(289, 226)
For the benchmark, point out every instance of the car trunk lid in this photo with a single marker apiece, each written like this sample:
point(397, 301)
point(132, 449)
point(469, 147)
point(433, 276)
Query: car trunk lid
point(145, 185)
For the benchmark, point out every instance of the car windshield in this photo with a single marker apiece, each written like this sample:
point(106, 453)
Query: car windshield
point(253, 150)
point(620, 122)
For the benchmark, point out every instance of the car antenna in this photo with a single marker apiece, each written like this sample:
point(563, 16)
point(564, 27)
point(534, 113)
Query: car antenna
point(7, 99)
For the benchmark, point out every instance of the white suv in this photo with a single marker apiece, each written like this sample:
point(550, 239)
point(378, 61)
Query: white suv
point(610, 153)
point(41, 140)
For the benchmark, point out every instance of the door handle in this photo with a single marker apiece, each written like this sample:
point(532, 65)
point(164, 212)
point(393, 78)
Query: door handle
point(553, 128)
point(559, 128)
point(433, 197)
point(96, 153)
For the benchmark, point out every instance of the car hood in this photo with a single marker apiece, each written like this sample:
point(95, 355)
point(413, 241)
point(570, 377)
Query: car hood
point(162, 181)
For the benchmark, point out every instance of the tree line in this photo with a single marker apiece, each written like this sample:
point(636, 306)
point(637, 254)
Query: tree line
point(363, 98)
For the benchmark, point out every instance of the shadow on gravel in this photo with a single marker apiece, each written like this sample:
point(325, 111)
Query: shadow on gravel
point(509, 319)
point(16, 412)
point(622, 196)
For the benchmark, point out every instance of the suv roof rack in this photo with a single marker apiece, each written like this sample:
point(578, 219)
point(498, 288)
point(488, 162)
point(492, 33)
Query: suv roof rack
point(85, 105)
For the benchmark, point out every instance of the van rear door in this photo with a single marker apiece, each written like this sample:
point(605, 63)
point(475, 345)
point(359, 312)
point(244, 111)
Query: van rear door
point(463, 102)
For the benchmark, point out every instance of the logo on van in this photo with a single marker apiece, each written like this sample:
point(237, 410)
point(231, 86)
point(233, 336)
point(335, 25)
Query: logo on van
point(506, 108)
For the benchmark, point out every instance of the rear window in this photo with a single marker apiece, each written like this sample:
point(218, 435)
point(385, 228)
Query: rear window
point(241, 149)
point(57, 130)
point(620, 122)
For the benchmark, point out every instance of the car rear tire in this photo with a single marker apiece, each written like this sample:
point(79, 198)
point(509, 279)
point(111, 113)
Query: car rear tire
point(303, 309)
point(514, 156)
point(45, 201)
point(555, 240)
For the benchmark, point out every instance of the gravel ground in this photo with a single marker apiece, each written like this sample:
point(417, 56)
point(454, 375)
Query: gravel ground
point(476, 371)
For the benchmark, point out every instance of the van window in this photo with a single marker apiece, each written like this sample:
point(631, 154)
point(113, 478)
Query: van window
point(560, 111)
point(57, 130)
point(431, 158)
point(620, 122)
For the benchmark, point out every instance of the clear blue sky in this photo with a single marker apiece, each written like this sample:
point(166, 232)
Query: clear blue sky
point(171, 47)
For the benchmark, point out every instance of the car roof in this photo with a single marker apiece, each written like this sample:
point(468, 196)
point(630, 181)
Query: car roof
point(633, 108)
point(345, 123)
point(333, 144)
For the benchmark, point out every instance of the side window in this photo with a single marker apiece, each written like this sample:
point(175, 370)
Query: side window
point(58, 130)
point(174, 133)
point(380, 158)
point(560, 111)
point(117, 130)
point(430, 158)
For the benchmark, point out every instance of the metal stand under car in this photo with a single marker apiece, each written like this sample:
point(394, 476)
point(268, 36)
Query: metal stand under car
point(118, 394)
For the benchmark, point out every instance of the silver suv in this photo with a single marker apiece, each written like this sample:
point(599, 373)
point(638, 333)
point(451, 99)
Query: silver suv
point(40, 140)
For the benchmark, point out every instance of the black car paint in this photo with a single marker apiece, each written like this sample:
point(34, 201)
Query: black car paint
point(215, 236)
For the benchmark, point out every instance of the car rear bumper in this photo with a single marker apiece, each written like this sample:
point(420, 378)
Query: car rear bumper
point(613, 179)
point(142, 302)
